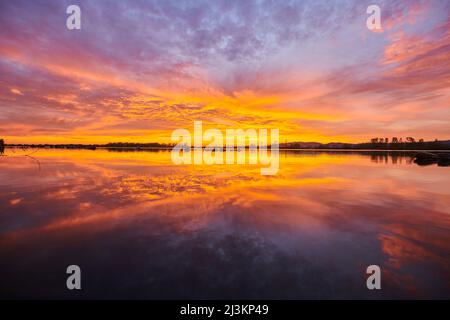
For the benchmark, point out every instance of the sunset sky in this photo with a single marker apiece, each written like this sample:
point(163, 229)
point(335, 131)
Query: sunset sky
point(139, 69)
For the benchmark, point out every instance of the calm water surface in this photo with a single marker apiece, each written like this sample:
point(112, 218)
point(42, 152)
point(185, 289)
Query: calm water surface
point(140, 227)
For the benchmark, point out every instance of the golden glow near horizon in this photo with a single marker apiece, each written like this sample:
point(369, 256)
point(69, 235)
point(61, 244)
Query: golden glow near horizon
point(104, 83)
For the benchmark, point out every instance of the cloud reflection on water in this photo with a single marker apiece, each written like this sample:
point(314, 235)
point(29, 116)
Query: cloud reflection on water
point(141, 227)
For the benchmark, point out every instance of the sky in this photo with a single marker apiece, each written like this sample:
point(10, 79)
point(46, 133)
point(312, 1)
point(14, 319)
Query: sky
point(137, 70)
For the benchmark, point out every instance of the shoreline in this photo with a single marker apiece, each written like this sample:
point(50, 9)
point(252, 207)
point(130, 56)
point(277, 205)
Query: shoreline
point(93, 148)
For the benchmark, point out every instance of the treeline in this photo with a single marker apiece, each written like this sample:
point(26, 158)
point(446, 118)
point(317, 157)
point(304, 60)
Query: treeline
point(138, 145)
point(375, 144)
point(55, 146)
point(396, 140)
point(115, 145)
point(416, 145)
point(409, 143)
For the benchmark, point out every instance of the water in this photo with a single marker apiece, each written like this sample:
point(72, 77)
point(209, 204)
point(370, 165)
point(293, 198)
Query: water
point(140, 227)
